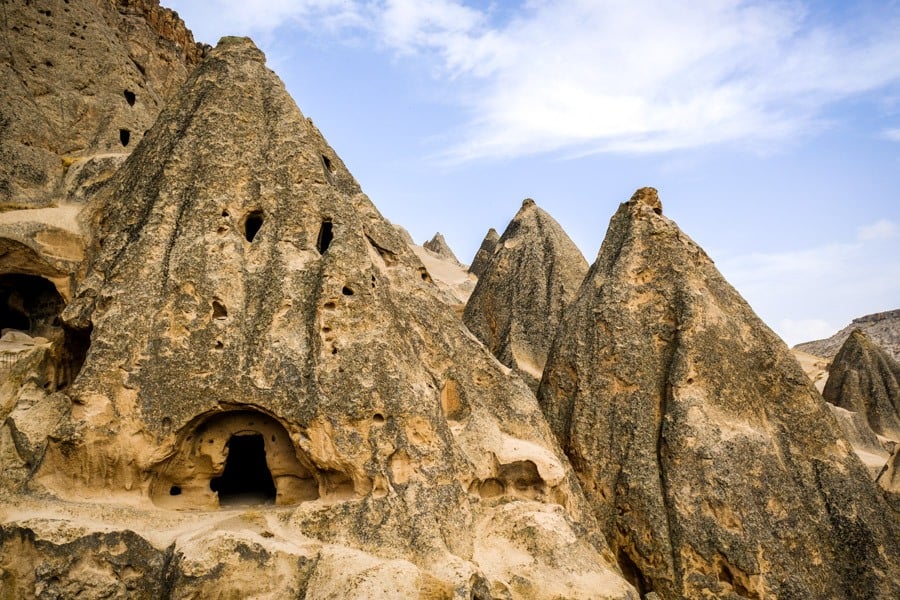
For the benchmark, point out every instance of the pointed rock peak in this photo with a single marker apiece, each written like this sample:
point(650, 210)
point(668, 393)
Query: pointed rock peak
point(529, 278)
point(439, 246)
point(528, 202)
point(647, 196)
point(864, 378)
point(485, 251)
point(238, 46)
point(697, 436)
point(260, 330)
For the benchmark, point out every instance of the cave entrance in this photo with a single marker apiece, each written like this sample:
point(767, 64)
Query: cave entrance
point(246, 479)
point(29, 303)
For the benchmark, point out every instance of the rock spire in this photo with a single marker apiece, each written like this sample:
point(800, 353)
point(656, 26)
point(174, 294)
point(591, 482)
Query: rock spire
point(865, 379)
point(262, 335)
point(714, 467)
point(533, 273)
point(439, 246)
point(485, 251)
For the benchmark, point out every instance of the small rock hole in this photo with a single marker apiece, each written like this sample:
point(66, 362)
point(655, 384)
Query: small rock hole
point(347, 291)
point(124, 136)
point(219, 310)
point(378, 418)
point(326, 234)
point(175, 490)
point(219, 345)
point(129, 97)
point(329, 306)
point(252, 224)
point(225, 213)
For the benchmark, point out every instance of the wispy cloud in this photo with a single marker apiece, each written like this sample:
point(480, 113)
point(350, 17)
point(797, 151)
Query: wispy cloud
point(633, 76)
point(891, 134)
point(880, 230)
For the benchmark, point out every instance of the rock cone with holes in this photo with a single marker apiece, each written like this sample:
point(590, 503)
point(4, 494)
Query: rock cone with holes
point(533, 273)
point(714, 467)
point(262, 336)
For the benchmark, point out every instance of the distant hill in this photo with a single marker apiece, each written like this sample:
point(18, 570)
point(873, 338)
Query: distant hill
point(883, 328)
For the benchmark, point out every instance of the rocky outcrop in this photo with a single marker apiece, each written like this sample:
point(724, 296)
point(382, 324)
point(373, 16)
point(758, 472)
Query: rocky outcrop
point(485, 251)
point(439, 246)
point(883, 328)
point(274, 393)
point(532, 275)
point(863, 378)
point(714, 467)
point(83, 80)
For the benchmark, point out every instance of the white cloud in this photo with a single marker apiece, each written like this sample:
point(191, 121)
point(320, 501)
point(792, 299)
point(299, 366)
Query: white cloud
point(582, 76)
point(891, 134)
point(798, 291)
point(880, 230)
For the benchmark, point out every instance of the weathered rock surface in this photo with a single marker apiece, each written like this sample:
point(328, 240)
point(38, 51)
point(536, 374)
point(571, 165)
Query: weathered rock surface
point(714, 467)
point(275, 394)
point(864, 378)
point(485, 251)
point(882, 328)
point(533, 273)
point(440, 247)
point(815, 367)
point(83, 80)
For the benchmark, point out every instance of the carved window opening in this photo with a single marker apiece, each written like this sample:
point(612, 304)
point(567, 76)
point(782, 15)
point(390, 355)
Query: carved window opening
point(252, 224)
point(326, 235)
point(124, 136)
point(129, 97)
point(246, 479)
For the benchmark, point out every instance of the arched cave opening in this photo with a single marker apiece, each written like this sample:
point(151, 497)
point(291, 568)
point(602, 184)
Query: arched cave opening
point(32, 305)
point(29, 303)
point(246, 479)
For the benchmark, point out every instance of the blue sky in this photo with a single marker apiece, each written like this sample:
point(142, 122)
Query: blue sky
point(770, 128)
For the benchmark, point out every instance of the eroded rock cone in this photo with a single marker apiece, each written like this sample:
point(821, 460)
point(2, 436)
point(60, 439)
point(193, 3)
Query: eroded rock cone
point(262, 336)
point(714, 467)
point(485, 251)
point(864, 378)
point(439, 246)
point(533, 273)
point(882, 328)
point(82, 81)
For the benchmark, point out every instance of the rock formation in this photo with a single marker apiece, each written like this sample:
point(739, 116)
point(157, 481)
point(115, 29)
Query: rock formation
point(882, 328)
point(82, 80)
point(714, 467)
point(275, 403)
point(485, 251)
point(439, 246)
point(864, 378)
point(532, 275)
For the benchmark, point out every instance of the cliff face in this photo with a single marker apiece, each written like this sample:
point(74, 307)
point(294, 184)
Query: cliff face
point(83, 81)
point(532, 274)
point(714, 467)
point(266, 351)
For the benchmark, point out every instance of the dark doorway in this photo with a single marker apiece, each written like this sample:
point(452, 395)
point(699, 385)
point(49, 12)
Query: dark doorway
point(29, 303)
point(246, 479)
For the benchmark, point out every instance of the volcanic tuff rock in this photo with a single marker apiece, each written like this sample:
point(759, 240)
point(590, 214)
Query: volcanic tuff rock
point(261, 333)
point(439, 246)
point(882, 328)
point(82, 80)
point(532, 275)
point(485, 251)
point(714, 467)
point(866, 380)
